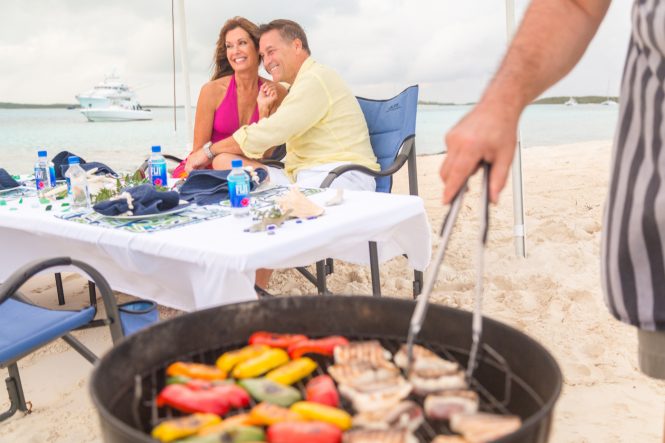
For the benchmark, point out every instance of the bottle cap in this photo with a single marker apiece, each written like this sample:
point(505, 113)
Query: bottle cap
point(156, 149)
point(236, 163)
point(73, 160)
point(41, 154)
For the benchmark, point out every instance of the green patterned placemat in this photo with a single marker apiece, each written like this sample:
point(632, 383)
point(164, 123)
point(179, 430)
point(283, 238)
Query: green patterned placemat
point(159, 223)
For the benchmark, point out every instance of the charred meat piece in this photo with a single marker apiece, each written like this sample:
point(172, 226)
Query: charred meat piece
point(482, 427)
point(363, 373)
point(366, 351)
point(404, 415)
point(434, 380)
point(378, 396)
point(366, 436)
point(443, 405)
point(424, 359)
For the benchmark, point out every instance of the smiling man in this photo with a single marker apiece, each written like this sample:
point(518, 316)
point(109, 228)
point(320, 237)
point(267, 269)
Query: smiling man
point(320, 120)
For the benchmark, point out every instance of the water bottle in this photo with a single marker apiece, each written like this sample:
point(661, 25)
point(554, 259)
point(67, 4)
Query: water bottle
point(157, 165)
point(44, 173)
point(238, 189)
point(77, 184)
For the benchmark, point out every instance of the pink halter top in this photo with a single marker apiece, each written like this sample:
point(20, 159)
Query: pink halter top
point(226, 120)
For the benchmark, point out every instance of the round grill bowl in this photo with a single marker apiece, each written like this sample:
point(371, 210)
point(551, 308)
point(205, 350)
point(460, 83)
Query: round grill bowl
point(515, 374)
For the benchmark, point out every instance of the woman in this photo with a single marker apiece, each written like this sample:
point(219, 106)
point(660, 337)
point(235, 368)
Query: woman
point(228, 100)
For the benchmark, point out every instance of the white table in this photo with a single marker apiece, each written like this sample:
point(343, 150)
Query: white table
point(214, 262)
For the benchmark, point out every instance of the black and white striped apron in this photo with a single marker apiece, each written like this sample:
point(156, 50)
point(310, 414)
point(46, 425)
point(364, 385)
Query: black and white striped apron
point(633, 243)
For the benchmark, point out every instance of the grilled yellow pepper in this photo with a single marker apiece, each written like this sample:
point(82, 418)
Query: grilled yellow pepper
point(261, 364)
point(268, 414)
point(228, 423)
point(230, 359)
point(319, 412)
point(195, 370)
point(175, 429)
point(292, 371)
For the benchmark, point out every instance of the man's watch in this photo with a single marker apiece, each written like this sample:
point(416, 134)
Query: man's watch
point(208, 152)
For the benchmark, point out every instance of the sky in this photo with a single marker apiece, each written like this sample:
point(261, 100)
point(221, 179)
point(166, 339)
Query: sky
point(54, 49)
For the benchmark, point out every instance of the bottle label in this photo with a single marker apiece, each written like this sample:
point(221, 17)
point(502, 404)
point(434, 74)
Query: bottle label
point(41, 179)
point(158, 174)
point(239, 191)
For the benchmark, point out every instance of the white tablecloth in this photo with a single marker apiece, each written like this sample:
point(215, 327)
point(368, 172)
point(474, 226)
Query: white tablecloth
point(214, 262)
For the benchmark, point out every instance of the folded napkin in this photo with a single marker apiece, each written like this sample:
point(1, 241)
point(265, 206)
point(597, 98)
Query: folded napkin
point(207, 187)
point(61, 164)
point(7, 181)
point(145, 200)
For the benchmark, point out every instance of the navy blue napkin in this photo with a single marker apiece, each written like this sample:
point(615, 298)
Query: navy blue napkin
point(7, 181)
point(207, 186)
point(61, 164)
point(146, 200)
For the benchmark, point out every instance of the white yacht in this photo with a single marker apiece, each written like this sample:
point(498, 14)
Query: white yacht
point(571, 102)
point(112, 100)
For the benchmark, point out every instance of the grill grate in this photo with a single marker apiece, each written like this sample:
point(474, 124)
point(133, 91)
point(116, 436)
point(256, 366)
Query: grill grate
point(147, 415)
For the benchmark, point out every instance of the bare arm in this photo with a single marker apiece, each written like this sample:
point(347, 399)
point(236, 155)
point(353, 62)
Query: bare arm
point(205, 114)
point(550, 41)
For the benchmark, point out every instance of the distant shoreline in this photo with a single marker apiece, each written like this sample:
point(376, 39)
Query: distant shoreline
point(582, 100)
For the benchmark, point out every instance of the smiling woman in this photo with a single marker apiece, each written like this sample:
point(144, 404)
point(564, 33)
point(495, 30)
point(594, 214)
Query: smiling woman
point(228, 100)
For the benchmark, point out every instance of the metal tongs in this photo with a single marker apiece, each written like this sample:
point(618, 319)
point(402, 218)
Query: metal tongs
point(418, 317)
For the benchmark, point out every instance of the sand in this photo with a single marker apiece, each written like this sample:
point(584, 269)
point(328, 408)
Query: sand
point(553, 295)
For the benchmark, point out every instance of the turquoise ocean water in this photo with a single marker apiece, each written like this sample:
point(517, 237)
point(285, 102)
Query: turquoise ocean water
point(125, 145)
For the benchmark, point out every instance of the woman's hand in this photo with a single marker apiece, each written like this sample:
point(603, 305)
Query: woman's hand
point(267, 97)
point(197, 160)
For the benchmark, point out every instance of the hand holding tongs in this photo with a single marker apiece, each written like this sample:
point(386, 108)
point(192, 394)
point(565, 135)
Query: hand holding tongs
point(418, 317)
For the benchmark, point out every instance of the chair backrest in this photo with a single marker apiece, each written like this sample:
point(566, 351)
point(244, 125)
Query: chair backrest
point(391, 123)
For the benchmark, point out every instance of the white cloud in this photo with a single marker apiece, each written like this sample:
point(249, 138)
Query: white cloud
point(60, 48)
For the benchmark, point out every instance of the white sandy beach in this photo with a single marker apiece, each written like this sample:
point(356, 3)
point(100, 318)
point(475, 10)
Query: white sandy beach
point(553, 295)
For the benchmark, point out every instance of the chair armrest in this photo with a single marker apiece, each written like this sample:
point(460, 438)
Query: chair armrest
point(272, 163)
point(394, 167)
point(23, 274)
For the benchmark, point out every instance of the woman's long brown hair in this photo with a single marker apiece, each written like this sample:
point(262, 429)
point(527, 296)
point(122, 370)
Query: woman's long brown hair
point(221, 65)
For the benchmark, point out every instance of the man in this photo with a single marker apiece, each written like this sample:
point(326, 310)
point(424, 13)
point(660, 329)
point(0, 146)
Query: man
point(320, 120)
point(551, 40)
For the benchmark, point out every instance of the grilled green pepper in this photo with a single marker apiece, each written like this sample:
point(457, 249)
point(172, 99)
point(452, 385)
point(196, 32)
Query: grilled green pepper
point(239, 434)
point(266, 390)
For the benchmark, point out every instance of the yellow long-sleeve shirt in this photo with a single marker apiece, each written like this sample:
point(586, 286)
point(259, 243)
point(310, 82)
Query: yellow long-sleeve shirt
point(319, 120)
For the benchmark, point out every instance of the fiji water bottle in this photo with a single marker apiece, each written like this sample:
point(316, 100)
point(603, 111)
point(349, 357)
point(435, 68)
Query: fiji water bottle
point(44, 173)
point(238, 189)
point(157, 167)
point(77, 184)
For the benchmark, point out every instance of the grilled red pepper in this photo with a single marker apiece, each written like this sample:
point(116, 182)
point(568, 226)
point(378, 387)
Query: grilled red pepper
point(304, 432)
point(275, 340)
point(322, 390)
point(323, 346)
point(216, 399)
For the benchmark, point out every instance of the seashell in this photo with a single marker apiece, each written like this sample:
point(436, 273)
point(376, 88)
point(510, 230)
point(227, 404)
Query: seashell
point(299, 205)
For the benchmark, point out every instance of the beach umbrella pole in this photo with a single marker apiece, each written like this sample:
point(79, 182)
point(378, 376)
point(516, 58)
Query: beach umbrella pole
point(185, 71)
point(519, 230)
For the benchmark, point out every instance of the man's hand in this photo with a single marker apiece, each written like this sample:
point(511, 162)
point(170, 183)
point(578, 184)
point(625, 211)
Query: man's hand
point(486, 133)
point(197, 160)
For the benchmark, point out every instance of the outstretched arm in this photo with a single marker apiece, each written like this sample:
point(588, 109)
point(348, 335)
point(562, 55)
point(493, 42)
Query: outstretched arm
point(550, 41)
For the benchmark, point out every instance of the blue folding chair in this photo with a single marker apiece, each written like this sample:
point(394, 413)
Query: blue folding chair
point(392, 133)
point(26, 327)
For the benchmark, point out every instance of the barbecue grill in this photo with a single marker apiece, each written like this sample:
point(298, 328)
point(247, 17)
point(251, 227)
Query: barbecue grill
point(514, 374)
